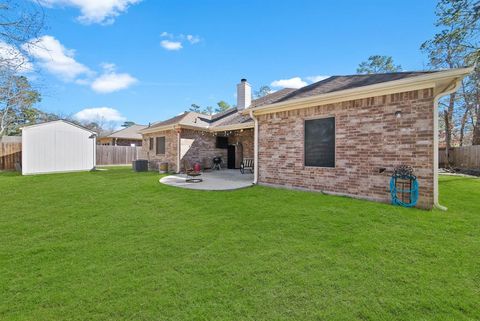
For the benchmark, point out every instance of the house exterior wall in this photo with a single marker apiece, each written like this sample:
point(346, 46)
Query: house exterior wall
point(368, 137)
point(199, 146)
point(170, 155)
point(245, 138)
point(195, 147)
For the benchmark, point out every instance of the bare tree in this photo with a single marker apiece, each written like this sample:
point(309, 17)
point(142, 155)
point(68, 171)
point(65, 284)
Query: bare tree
point(17, 98)
point(451, 48)
point(21, 22)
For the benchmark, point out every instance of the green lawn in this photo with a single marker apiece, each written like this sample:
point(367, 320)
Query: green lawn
point(117, 245)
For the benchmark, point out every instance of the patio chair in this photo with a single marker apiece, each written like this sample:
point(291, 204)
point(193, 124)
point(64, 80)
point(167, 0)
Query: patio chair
point(192, 174)
point(247, 163)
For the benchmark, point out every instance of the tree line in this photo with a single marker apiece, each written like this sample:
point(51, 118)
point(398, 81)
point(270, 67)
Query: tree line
point(455, 45)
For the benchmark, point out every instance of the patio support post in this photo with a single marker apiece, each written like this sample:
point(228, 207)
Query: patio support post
point(178, 130)
point(255, 148)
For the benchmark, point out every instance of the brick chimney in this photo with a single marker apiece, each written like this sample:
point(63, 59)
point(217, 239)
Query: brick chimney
point(244, 95)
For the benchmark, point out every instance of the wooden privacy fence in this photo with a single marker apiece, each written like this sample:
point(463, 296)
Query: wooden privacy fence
point(10, 152)
point(118, 155)
point(463, 157)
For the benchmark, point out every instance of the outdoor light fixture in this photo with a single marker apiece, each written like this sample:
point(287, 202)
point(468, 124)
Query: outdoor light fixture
point(398, 114)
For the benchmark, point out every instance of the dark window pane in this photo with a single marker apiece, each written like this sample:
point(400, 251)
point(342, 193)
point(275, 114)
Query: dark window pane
point(160, 145)
point(222, 142)
point(151, 143)
point(320, 142)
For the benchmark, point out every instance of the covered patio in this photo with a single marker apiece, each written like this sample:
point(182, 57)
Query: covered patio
point(216, 180)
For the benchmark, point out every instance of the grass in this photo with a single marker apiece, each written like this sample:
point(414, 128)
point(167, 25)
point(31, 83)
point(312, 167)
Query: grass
point(117, 245)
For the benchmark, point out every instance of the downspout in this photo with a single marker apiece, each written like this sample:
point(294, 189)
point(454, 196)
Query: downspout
point(178, 149)
point(255, 148)
point(451, 88)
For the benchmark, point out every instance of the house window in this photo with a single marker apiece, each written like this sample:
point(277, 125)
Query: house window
point(151, 143)
point(320, 142)
point(160, 145)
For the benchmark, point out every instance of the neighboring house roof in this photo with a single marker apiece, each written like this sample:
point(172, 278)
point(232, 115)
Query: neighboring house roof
point(130, 132)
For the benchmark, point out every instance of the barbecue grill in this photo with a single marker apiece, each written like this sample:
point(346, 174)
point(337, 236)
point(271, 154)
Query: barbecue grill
point(217, 162)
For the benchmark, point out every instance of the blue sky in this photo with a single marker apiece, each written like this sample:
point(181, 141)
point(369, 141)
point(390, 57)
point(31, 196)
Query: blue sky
point(103, 56)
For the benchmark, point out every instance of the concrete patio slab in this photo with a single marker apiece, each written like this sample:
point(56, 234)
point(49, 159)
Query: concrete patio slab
point(225, 179)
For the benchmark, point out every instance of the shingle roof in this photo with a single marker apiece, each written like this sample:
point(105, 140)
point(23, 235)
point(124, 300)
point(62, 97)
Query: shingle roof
point(331, 84)
point(188, 118)
point(236, 118)
point(337, 83)
point(273, 97)
point(224, 118)
point(170, 121)
point(222, 114)
point(130, 132)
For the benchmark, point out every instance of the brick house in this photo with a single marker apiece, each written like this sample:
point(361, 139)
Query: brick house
point(198, 138)
point(343, 135)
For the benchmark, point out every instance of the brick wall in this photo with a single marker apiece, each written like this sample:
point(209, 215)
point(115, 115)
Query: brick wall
point(198, 146)
point(170, 155)
point(245, 138)
point(368, 137)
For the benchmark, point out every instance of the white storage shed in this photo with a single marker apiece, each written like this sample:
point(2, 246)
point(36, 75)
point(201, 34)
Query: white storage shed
point(57, 146)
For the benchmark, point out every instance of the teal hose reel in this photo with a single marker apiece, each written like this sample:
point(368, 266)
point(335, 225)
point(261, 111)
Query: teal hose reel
point(404, 187)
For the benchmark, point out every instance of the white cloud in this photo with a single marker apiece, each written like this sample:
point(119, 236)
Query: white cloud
point(175, 42)
point(52, 56)
point(193, 39)
point(56, 59)
point(295, 82)
point(99, 114)
point(108, 66)
point(166, 35)
point(110, 82)
point(171, 45)
point(317, 78)
point(94, 11)
point(13, 58)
